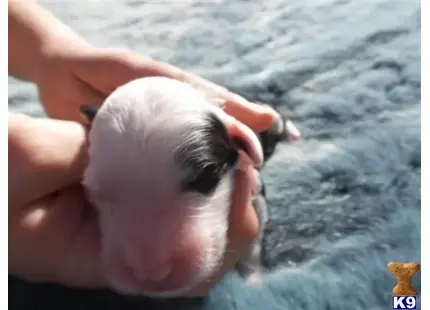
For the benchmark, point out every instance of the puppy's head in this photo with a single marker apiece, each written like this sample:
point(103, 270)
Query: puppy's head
point(160, 173)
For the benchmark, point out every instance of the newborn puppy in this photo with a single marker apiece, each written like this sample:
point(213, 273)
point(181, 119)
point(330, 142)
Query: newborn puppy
point(160, 174)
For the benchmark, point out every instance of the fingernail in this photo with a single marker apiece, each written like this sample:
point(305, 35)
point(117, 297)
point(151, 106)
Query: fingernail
point(292, 132)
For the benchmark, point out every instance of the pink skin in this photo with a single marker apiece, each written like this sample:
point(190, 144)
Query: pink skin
point(293, 134)
point(161, 252)
point(156, 240)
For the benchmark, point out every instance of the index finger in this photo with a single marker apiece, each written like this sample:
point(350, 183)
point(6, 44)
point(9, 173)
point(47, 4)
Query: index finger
point(129, 65)
point(255, 116)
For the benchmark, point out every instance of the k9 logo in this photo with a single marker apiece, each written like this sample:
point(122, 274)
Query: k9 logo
point(404, 302)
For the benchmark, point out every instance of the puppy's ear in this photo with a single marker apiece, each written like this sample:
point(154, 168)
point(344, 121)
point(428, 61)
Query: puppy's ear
point(89, 112)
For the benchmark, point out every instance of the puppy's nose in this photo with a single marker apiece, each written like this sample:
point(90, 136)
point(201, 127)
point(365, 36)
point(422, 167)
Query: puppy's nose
point(149, 263)
point(152, 275)
point(170, 269)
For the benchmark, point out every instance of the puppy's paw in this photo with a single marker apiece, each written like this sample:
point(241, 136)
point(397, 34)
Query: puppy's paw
point(254, 278)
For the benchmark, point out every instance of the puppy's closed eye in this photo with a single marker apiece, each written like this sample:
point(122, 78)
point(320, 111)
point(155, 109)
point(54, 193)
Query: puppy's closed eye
point(205, 180)
point(205, 156)
point(206, 177)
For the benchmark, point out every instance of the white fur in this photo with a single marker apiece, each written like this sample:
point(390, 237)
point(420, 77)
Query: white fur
point(133, 182)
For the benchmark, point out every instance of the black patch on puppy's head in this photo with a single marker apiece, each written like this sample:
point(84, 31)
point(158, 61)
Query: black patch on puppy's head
point(205, 155)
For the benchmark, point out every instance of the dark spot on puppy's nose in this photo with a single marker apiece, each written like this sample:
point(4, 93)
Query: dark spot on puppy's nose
point(205, 155)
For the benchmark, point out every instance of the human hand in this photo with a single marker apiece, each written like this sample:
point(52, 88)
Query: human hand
point(49, 219)
point(82, 74)
point(72, 76)
point(53, 232)
point(69, 72)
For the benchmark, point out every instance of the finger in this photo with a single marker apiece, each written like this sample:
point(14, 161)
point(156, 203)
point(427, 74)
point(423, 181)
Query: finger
point(86, 94)
point(106, 69)
point(81, 265)
point(110, 68)
point(243, 229)
point(243, 226)
point(74, 93)
point(45, 155)
point(59, 233)
point(251, 114)
point(256, 116)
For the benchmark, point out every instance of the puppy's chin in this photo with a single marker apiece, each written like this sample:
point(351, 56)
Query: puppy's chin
point(170, 261)
point(122, 279)
point(195, 262)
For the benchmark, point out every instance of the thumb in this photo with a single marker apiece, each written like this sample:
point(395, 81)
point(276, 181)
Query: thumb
point(45, 155)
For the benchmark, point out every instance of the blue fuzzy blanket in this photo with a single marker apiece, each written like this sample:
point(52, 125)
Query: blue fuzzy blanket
point(344, 201)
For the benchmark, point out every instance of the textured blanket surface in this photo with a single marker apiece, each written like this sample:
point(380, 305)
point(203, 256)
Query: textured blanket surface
point(344, 201)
